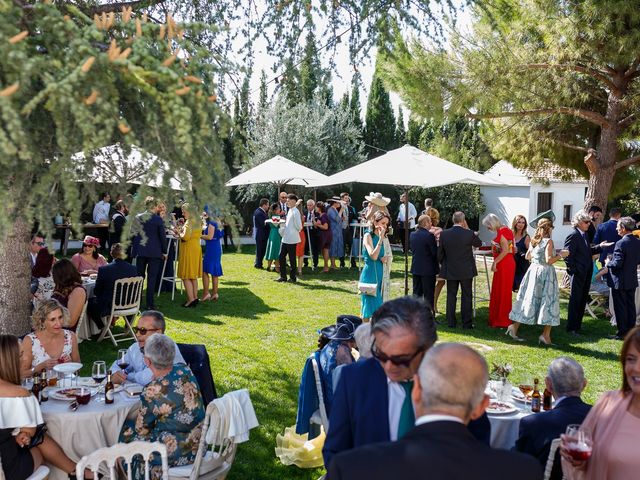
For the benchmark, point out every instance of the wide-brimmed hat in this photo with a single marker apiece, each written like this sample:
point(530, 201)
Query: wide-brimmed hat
point(548, 214)
point(345, 327)
point(89, 240)
point(327, 331)
point(333, 200)
point(377, 199)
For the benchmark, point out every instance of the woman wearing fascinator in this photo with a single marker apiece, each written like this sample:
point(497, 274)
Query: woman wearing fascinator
point(379, 203)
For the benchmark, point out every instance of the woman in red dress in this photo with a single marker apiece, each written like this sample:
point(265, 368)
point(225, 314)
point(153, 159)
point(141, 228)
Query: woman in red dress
point(504, 269)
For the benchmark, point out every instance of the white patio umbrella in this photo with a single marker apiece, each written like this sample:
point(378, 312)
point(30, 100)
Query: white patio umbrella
point(279, 171)
point(408, 167)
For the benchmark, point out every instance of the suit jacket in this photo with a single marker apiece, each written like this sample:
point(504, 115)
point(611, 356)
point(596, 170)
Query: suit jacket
point(579, 260)
point(624, 264)
point(152, 242)
point(455, 253)
point(441, 450)
point(107, 276)
point(607, 231)
point(425, 253)
point(360, 411)
point(538, 431)
point(261, 229)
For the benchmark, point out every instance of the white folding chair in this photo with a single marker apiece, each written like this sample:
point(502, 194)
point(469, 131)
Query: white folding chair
point(212, 462)
point(551, 459)
point(125, 451)
point(319, 417)
point(80, 334)
point(127, 294)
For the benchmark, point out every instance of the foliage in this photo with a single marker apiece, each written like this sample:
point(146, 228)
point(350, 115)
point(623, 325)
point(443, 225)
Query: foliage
point(551, 79)
point(401, 133)
point(354, 103)
point(380, 123)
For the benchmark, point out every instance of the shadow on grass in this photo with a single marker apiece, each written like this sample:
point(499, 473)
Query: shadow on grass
point(233, 284)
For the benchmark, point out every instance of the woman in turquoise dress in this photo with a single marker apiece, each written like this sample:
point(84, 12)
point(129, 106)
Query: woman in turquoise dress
point(274, 240)
point(538, 300)
point(171, 409)
point(212, 261)
point(374, 258)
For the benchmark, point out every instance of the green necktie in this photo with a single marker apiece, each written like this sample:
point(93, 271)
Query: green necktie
point(407, 417)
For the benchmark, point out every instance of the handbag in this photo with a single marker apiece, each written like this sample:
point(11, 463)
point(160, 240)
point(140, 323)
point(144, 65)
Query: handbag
point(38, 437)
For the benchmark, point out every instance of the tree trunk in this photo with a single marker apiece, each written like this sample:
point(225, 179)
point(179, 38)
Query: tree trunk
point(15, 280)
point(599, 187)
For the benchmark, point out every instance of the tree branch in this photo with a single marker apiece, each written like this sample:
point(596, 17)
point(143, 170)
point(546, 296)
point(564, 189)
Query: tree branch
point(633, 68)
point(570, 145)
point(627, 162)
point(587, 115)
point(118, 6)
point(627, 121)
point(592, 72)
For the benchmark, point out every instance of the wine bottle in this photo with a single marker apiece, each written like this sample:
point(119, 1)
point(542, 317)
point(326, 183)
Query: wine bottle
point(44, 395)
point(108, 389)
point(35, 388)
point(535, 397)
point(546, 399)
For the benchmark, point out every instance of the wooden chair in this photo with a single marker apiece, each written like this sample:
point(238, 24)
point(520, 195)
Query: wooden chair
point(127, 294)
point(110, 456)
point(551, 459)
point(212, 462)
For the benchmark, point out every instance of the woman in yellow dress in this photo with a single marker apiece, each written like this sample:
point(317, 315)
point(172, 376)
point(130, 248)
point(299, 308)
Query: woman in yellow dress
point(190, 255)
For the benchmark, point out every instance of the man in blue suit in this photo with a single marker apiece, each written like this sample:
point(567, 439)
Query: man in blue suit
point(565, 380)
point(260, 231)
point(608, 232)
point(150, 247)
point(372, 402)
point(623, 277)
point(424, 260)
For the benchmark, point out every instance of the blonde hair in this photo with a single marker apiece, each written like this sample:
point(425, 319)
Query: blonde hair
point(45, 308)
point(434, 214)
point(515, 223)
point(543, 230)
point(492, 221)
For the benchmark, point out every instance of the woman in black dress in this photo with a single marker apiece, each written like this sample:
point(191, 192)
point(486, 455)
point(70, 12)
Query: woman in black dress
point(521, 242)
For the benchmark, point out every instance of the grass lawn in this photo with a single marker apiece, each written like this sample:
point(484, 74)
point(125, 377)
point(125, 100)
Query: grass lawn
point(260, 332)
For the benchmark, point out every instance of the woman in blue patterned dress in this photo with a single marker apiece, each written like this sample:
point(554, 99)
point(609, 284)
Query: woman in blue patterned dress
point(336, 250)
point(171, 409)
point(374, 258)
point(211, 263)
point(538, 300)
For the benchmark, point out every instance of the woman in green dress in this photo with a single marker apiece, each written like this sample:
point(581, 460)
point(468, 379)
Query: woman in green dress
point(374, 258)
point(274, 241)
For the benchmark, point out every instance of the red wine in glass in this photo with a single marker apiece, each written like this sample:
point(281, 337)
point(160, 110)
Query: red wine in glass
point(99, 378)
point(579, 451)
point(83, 396)
point(122, 362)
point(99, 371)
point(123, 365)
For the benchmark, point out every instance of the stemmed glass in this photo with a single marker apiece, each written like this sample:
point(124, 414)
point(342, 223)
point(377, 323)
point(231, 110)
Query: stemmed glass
point(123, 363)
point(579, 442)
point(526, 387)
point(99, 371)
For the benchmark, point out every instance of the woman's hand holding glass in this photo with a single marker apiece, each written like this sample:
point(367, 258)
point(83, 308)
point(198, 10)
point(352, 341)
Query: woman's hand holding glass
point(576, 445)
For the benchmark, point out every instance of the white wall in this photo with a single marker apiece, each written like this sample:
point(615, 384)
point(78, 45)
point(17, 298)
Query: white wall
point(563, 194)
point(506, 203)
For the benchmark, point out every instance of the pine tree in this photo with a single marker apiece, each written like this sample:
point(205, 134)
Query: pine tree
point(354, 103)
point(263, 97)
point(401, 133)
point(310, 69)
point(380, 128)
point(414, 130)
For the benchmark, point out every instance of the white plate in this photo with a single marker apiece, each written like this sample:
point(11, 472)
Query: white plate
point(133, 390)
point(69, 367)
point(500, 408)
point(57, 394)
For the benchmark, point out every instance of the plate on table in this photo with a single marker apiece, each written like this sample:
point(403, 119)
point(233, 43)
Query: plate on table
point(68, 394)
point(517, 395)
point(70, 367)
point(500, 408)
point(90, 382)
point(133, 390)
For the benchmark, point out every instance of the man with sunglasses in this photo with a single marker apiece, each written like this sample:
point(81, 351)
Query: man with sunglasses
point(372, 401)
point(149, 323)
point(448, 393)
point(37, 244)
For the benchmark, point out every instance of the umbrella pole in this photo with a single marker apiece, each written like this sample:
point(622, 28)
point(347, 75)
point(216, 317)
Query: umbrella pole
point(406, 241)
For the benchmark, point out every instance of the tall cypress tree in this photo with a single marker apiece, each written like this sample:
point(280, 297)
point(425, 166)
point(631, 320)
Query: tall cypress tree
point(354, 104)
point(380, 129)
point(414, 131)
point(401, 133)
point(263, 96)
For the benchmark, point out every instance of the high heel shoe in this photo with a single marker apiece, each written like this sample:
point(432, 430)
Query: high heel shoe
point(512, 334)
point(215, 297)
point(193, 303)
point(543, 340)
point(206, 298)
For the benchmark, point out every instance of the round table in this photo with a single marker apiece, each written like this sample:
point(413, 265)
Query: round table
point(89, 428)
point(505, 427)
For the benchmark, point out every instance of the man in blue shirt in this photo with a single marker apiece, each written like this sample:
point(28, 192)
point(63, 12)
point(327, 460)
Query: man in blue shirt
point(149, 323)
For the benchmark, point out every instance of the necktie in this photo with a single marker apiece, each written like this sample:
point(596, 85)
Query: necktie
point(407, 416)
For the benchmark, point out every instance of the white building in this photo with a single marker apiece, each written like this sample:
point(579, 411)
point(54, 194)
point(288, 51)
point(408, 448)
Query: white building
point(529, 193)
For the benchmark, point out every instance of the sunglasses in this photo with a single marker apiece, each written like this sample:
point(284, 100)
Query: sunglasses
point(398, 360)
point(40, 244)
point(144, 331)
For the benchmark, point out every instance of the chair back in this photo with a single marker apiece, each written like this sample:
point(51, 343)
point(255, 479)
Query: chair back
point(127, 294)
point(548, 469)
point(126, 451)
point(324, 418)
point(81, 321)
point(197, 358)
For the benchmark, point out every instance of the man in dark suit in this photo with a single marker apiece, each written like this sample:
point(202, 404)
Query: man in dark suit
point(623, 276)
point(458, 267)
point(596, 219)
point(448, 392)
point(565, 380)
point(372, 401)
point(100, 305)
point(149, 247)
point(424, 260)
point(580, 267)
point(260, 231)
point(608, 232)
point(282, 200)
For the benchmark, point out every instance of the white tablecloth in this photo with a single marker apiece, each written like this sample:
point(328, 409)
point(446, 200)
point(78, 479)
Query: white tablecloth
point(504, 428)
point(91, 427)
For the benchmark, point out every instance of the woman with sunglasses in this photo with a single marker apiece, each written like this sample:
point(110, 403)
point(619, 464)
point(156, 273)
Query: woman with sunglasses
point(88, 260)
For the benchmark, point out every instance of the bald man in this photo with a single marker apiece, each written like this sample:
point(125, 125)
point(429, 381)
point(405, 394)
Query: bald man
point(448, 392)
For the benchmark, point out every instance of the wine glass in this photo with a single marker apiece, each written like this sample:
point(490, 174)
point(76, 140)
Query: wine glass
point(579, 442)
point(99, 371)
point(526, 387)
point(123, 361)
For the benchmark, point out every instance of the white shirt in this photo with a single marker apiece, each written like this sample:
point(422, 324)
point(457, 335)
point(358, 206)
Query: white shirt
point(101, 212)
point(412, 214)
point(292, 226)
point(137, 371)
point(437, 418)
point(396, 399)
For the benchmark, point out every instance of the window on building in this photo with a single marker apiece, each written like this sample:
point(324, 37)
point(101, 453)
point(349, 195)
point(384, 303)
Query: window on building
point(544, 201)
point(567, 213)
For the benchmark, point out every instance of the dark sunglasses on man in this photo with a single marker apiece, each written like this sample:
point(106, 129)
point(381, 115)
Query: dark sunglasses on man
point(398, 360)
point(144, 331)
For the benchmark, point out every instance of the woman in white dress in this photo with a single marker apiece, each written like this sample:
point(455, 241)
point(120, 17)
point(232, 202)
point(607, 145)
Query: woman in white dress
point(378, 202)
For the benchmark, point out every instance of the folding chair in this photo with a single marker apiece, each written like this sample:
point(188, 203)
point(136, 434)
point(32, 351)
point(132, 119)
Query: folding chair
point(80, 334)
point(197, 359)
point(110, 456)
point(127, 294)
point(320, 416)
point(548, 469)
